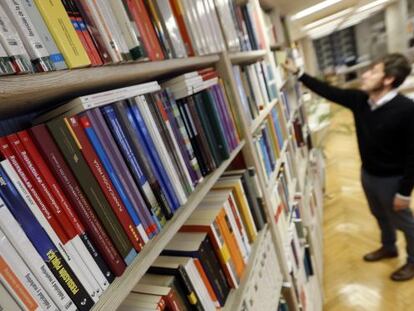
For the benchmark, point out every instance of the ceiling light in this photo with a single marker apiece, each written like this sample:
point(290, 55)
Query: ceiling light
point(315, 8)
point(371, 5)
point(327, 19)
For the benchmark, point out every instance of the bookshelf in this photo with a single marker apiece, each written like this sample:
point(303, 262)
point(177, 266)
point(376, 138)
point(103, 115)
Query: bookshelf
point(113, 297)
point(28, 93)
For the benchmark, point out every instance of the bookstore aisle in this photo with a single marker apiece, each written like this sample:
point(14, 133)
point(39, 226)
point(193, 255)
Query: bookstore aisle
point(350, 231)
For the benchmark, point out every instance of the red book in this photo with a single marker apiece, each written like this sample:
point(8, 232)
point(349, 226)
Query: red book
point(208, 74)
point(70, 186)
point(7, 150)
point(105, 183)
point(178, 14)
point(145, 28)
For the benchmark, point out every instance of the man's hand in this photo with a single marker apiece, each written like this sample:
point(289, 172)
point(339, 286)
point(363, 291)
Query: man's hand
point(290, 66)
point(401, 203)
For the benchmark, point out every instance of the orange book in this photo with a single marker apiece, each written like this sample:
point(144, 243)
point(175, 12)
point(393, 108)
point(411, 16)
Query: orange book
point(206, 282)
point(16, 286)
point(179, 17)
point(205, 221)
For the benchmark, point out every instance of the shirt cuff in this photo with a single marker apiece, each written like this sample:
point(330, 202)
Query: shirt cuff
point(403, 197)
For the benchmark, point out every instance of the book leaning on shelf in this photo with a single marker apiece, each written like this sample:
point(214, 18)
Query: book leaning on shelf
point(101, 177)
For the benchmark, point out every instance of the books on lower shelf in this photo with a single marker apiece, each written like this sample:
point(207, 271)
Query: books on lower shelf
point(98, 180)
point(208, 257)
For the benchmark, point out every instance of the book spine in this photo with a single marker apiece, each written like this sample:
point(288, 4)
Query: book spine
point(161, 118)
point(135, 169)
point(84, 245)
point(22, 271)
point(6, 66)
point(23, 246)
point(63, 33)
point(43, 245)
point(71, 241)
point(141, 128)
point(97, 123)
point(76, 26)
point(13, 45)
point(94, 34)
point(28, 33)
point(9, 303)
point(17, 289)
point(143, 23)
point(60, 130)
point(55, 55)
point(142, 156)
point(71, 189)
point(160, 149)
point(181, 135)
point(227, 131)
point(131, 220)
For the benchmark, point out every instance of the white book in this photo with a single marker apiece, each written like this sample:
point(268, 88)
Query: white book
point(183, 82)
point(7, 301)
point(128, 29)
point(106, 34)
point(12, 43)
point(28, 33)
point(107, 12)
point(67, 249)
point(185, 92)
point(260, 102)
point(26, 250)
point(217, 33)
point(205, 26)
point(262, 83)
point(227, 24)
point(25, 275)
point(193, 25)
point(95, 100)
point(142, 105)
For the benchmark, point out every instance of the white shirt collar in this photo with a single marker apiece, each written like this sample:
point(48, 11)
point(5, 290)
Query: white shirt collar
point(383, 100)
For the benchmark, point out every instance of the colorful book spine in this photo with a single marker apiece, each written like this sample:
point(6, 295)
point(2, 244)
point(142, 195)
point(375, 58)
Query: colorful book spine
point(135, 169)
point(98, 125)
point(125, 119)
point(22, 271)
point(63, 33)
point(6, 66)
point(69, 146)
point(14, 202)
point(26, 250)
point(99, 145)
point(67, 236)
point(80, 204)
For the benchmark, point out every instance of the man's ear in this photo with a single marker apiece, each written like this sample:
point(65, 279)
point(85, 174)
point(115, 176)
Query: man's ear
point(388, 81)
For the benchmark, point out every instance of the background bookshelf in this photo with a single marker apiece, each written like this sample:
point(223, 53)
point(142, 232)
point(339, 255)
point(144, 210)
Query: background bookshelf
point(296, 245)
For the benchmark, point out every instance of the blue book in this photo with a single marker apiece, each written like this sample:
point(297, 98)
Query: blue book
point(277, 128)
point(265, 156)
point(270, 151)
point(125, 148)
point(137, 122)
point(44, 246)
point(106, 162)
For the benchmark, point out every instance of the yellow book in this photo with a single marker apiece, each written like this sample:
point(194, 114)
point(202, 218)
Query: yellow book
point(65, 36)
point(235, 184)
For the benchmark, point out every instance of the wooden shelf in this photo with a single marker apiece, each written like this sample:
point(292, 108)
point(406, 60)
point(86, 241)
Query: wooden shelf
point(268, 5)
point(25, 93)
point(122, 286)
point(246, 57)
point(235, 297)
point(263, 114)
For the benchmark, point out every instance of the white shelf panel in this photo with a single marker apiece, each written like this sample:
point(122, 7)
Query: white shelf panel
point(262, 116)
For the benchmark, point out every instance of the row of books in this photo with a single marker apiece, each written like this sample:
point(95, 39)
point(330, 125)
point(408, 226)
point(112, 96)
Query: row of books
point(51, 35)
point(256, 86)
point(269, 141)
point(208, 256)
point(92, 185)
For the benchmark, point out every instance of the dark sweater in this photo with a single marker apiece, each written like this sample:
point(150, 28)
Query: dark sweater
point(385, 135)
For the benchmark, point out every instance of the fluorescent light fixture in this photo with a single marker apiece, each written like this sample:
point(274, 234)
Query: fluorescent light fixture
point(327, 19)
point(323, 30)
point(315, 8)
point(371, 5)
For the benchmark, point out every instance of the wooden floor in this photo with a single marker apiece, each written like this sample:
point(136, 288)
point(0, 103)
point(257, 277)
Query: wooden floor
point(350, 231)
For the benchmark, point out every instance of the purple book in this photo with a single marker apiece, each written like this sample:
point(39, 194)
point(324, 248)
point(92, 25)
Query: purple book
point(222, 116)
point(98, 122)
point(229, 120)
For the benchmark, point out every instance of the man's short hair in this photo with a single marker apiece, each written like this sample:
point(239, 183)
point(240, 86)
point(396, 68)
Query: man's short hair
point(397, 66)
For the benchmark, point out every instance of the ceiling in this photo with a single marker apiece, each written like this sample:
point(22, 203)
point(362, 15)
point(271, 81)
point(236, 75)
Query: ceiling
point(290, 7)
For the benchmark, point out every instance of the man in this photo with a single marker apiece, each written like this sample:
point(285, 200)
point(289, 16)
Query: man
point(384, 123)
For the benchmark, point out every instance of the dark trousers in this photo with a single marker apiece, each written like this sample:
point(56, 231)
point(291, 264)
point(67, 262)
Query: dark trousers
point(380, 192)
